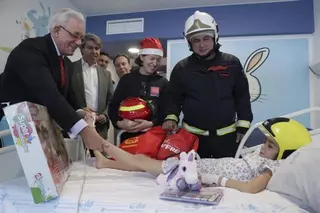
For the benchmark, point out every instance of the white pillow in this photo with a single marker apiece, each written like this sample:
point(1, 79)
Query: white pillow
point(298, 176)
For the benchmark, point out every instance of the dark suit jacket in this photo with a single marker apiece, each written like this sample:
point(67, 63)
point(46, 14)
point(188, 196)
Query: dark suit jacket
point(105, 91)
point(32, 73)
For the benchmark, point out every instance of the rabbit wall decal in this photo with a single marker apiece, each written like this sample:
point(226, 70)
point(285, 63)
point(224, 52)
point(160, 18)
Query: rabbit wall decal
point(253, 62)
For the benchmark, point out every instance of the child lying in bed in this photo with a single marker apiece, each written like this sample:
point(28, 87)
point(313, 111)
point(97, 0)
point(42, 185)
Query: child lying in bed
point(249, 174)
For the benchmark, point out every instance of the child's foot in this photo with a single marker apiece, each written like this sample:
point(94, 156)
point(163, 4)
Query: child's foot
point(100, 161)
point(105, 146)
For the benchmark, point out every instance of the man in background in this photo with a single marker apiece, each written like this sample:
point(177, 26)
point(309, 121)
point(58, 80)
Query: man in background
point(91, 84)
point(104, 60)
point(122, 64)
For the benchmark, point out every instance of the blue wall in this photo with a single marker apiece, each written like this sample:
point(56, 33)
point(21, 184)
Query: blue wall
point(294, 17)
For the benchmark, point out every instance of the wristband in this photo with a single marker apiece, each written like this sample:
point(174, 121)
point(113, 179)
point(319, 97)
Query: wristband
point(223, 181)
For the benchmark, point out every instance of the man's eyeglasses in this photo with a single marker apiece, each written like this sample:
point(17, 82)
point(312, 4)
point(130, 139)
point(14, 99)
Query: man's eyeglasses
point(77, 37)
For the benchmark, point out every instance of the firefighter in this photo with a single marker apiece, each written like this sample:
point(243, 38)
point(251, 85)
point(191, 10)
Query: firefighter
point(145, 83)
point(212, 91)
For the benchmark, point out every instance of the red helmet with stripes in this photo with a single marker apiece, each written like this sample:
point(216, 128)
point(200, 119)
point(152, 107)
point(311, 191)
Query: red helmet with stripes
point(134, 108)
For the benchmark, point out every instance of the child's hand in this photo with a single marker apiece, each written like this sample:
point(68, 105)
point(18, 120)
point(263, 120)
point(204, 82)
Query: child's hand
point(210, 179)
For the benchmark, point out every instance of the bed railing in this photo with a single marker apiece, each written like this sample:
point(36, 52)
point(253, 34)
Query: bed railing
point(242, 150)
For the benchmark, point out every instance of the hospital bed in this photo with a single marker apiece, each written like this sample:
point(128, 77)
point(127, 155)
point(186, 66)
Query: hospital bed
point(106, 190)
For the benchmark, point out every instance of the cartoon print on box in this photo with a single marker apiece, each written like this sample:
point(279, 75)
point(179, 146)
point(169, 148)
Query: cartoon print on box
point(38, 190)
point(22, 130)
point(253, 62)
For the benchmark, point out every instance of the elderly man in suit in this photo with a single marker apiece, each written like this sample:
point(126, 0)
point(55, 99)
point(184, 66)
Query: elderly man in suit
point(38, 71)
point(91, 84)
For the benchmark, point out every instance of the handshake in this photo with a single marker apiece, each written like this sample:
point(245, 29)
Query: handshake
point(90, 136)
point(91, 116)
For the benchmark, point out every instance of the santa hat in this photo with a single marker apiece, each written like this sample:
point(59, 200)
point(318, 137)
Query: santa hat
point(151, 46)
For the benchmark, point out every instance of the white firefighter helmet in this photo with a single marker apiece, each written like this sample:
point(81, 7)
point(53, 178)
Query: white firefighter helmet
point(201, 23)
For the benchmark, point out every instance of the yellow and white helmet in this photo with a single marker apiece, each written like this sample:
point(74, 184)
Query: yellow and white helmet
point(201, 23)
point(289, 134)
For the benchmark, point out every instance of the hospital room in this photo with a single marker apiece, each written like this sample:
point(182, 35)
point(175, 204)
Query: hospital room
point(159, 106)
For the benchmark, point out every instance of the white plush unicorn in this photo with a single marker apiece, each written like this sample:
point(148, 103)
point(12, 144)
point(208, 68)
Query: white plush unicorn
point(183, 175)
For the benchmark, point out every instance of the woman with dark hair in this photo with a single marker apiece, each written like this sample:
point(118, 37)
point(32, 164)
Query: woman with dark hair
point(145, 83)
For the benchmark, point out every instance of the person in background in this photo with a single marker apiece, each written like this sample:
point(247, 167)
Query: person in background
point(91, 84)
point(38, 71)
point(145, 83)
point(122, 64)
point(104, 60)
point(211, 89)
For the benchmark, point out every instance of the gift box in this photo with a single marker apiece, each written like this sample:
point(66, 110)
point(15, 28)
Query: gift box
point(41, 149)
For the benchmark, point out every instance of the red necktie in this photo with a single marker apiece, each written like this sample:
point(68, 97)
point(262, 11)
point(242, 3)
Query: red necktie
point(62, 72)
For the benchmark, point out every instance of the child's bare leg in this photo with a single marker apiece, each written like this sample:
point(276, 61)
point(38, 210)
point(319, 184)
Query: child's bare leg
point(141, 162)
point(152, 166)
point(102, 162)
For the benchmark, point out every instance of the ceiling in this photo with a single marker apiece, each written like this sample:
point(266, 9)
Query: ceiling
point(104, 7)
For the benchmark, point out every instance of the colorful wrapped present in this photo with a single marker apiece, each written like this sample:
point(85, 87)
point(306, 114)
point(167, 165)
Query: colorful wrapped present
point(41, 149)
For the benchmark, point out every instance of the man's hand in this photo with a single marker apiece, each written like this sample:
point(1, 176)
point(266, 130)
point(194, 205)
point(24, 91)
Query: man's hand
point(142, 125)
point(102, 118)
point(239, 137)
point(85, 112)
point(170, 125)
point(81, 113)
point(127, 125)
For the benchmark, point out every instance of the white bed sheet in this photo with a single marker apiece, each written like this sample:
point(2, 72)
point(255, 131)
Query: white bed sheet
point(113, 191)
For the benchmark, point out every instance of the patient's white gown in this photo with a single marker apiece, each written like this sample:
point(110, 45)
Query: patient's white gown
point(242, 169)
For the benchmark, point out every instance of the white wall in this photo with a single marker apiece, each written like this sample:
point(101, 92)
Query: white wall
point(316, 41)
point(315, 57)
point(14, 11)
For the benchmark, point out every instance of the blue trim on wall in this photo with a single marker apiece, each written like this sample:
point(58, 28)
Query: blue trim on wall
point(295, 17)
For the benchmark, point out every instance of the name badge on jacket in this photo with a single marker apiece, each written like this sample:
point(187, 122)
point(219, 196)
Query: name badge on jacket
point(154, 91)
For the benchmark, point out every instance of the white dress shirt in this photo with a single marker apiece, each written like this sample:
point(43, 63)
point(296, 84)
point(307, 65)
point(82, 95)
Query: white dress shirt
point(90, 80)
point(81, 124)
